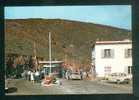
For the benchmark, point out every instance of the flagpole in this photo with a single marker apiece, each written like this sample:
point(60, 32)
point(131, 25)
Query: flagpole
point(35, 50)
point(35, 55)
point(50, 55)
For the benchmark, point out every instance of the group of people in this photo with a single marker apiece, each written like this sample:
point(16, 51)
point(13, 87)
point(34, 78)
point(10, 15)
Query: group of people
point(83, 73)
point(33, 76)
point(39, 77)
point(69, 72)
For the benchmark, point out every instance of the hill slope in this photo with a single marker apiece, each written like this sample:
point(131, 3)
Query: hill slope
point(70, 38)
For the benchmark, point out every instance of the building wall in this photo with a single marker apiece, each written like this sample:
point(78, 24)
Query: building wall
point(118, 62)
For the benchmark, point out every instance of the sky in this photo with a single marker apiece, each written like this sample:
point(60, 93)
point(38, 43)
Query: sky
point(111, 15)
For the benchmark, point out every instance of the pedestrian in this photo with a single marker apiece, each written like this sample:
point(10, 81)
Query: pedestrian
point(63, 73)
point(32, 76)
point(42, 74)
point(81, 73)
point(87, 75)
point(68, 73)
point(37, 74)
point(25, 75)
point(28, 75)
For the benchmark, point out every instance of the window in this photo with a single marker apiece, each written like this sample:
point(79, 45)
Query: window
point(107, 69)
point(107, 53)
point(129, 69)
point(128, 53)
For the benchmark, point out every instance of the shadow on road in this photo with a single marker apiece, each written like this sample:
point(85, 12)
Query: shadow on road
point(11, 90)
point(122, 83)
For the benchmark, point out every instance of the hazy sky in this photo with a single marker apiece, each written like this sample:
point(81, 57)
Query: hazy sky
point(116, 15)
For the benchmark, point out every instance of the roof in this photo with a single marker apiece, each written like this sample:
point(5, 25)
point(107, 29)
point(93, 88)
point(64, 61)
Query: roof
point(47, 62)
point(114, 42)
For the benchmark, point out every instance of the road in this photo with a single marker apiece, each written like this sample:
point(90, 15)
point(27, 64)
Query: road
point(68, 87)
point(93, 87)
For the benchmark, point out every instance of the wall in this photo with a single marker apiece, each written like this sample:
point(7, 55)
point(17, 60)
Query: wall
point(118, 63)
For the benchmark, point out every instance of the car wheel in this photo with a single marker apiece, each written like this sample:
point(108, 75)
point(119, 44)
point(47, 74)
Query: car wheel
point(127, 82)
point(106, 78)
point(118, 82)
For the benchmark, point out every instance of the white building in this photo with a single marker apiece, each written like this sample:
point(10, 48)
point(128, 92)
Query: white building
point(112, 56)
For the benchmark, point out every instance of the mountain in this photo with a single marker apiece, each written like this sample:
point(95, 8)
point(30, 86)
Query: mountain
point(70, 39)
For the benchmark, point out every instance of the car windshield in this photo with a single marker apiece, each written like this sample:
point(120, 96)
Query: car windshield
point(122, 74)
point(75, 73)
point(114, 74)
point(118, 74)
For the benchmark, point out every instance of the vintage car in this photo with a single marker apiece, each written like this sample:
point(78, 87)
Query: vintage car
point(118, 78)
point(75, 75)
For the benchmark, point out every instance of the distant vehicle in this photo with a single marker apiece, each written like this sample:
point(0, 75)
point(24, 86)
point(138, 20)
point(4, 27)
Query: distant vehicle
point(118, 78)
point(75, 75)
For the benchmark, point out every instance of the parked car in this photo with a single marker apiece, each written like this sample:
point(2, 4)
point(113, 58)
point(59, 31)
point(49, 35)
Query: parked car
point(75, 75)
point(118, 78)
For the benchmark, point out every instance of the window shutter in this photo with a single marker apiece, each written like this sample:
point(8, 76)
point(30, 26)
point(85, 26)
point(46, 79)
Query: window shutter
point(125, 53)
point(112, 52)
point(102, 53)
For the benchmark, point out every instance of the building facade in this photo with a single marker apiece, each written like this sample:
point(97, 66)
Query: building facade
point(112, 56)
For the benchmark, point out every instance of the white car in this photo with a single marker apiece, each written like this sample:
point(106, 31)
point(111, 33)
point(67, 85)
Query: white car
point(75, 75)
point(118, 78)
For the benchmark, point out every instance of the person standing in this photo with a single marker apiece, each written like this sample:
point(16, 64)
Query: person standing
point(37, 76)
point(32, 76)
point(87, 74)
point(63, 73)
point(28, 75)
point(81, 73)
point(68, 73)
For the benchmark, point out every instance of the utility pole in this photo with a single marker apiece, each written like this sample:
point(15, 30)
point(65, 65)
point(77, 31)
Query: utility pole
point(50, 55)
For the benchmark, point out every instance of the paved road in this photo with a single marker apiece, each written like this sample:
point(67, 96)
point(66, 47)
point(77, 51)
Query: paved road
point(68, 87)
point(27, 88)
point(94, 87)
